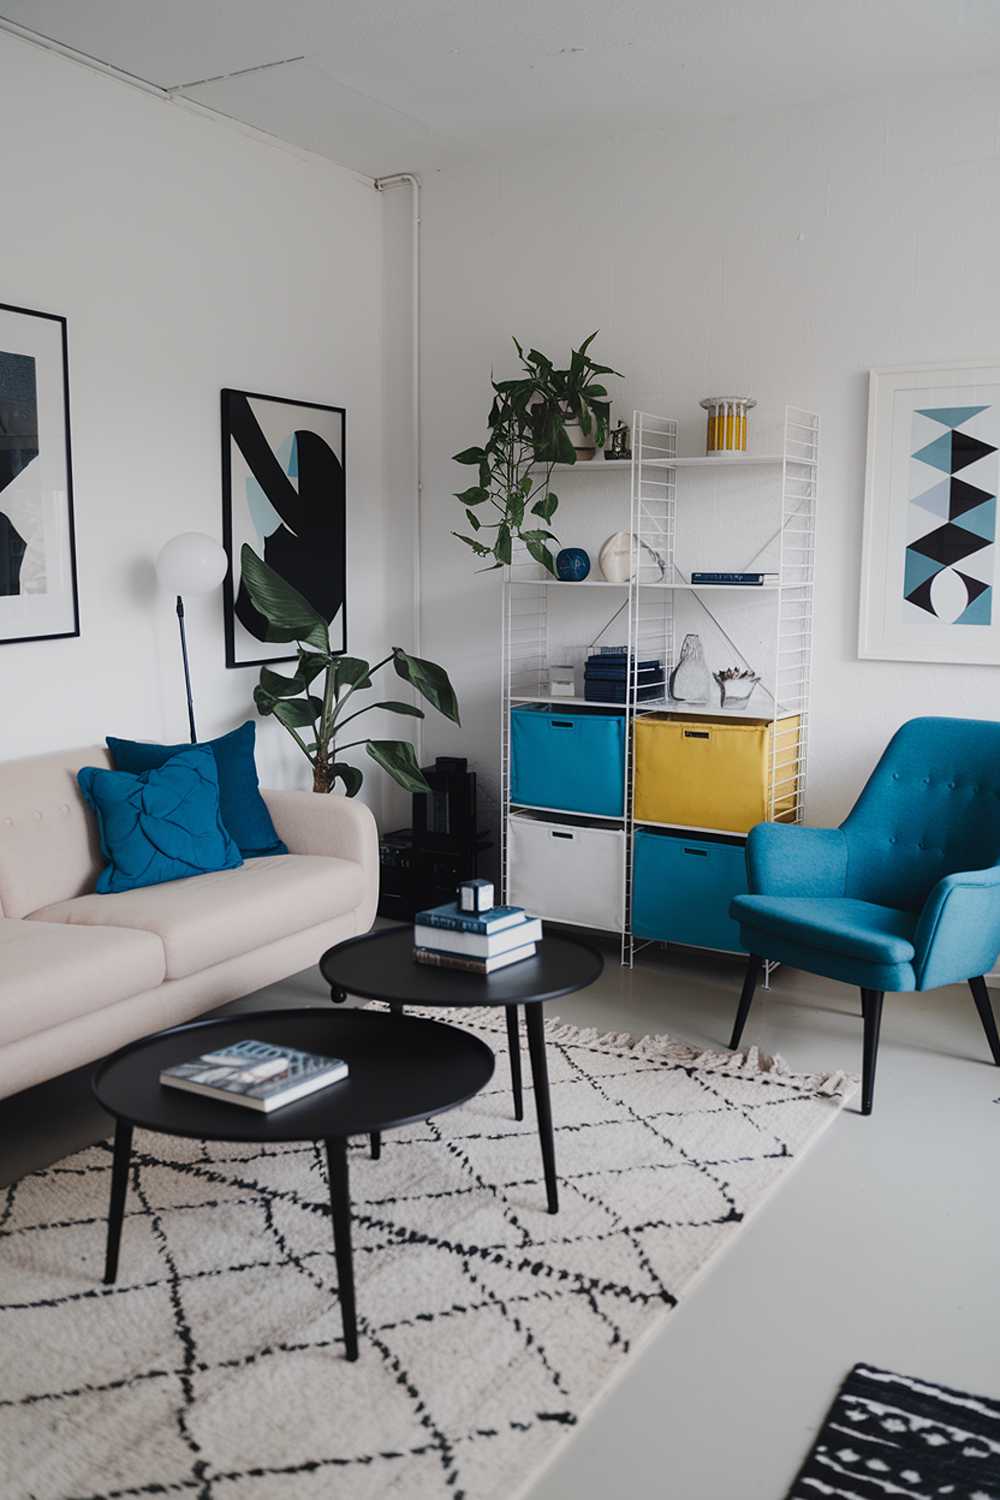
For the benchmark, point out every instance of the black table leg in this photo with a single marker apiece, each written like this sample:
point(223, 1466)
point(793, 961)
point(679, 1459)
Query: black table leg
point(543, 1104)
point(395, 1008)
point(119, 1188)
point(375, 1141)
point(340, 1204)
point(514, 1051)
point(338, 996)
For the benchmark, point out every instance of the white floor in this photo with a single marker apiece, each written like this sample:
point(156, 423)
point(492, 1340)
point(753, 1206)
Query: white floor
point(884, 1245)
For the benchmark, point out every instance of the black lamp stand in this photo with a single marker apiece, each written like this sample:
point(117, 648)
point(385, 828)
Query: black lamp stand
point(187, 669)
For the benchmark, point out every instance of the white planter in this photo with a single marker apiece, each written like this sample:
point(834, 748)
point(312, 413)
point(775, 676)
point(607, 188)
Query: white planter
point(567, 872)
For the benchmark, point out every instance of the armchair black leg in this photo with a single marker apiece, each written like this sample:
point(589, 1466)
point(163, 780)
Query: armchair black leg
point(871, 1009)
point(754, 967)
point(981, 995)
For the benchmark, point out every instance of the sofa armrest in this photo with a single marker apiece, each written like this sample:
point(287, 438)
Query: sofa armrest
point(314, 823)
point(958, 932)
point(785, 859)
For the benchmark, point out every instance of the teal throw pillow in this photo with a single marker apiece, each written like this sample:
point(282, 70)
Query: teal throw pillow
point(161, 825)
point(244, 810)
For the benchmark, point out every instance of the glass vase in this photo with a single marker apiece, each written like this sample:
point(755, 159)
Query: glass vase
point(690, 681)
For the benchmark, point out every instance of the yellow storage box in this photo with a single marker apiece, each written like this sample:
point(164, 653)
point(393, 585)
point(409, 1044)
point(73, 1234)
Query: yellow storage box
point(702, 772)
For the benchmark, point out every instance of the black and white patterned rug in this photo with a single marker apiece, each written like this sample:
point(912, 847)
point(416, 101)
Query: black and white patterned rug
point(892, 1435)
point(213, 1369)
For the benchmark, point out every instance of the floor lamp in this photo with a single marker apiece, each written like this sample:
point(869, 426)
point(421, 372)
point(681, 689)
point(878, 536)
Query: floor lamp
point(191, 563)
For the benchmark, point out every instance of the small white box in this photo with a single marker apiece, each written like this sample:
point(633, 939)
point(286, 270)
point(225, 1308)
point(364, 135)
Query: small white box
point(475, 895)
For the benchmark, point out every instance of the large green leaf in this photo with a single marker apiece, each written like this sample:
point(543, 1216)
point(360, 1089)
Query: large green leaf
point(469, 456)
point(350, 671)
point(275, 685)
point(398, 758)
point(295, 713)
point(351, 776)
point(289, 615)
point(430, 680)
point(393, 706)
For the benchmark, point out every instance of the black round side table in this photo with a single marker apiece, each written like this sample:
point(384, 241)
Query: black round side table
point(400, 1072)
point(381, 966)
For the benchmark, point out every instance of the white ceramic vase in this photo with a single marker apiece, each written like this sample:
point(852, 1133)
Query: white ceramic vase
point(615, 557)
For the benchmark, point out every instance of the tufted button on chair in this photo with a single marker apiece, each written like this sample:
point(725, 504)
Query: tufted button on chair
point(904, 895)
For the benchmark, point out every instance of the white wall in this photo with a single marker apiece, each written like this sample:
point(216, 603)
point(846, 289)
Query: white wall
point(187, 255)
point(784, 256)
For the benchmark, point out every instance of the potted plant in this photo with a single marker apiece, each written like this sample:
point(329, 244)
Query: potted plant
point(322, 715)
point(535, 421)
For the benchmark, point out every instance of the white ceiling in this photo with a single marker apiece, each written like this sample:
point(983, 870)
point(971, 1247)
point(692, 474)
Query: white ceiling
point(395, 85)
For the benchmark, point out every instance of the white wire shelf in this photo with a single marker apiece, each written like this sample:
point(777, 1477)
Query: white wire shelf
point(725, 461)
point(762, 715)
point(697, 588)
point(565, 812)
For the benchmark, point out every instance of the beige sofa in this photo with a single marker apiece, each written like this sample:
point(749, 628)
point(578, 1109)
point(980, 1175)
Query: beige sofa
point(81, 974)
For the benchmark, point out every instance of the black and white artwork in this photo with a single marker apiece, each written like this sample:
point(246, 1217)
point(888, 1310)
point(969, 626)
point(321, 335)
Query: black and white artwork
point(284, 492)
point(38, 596)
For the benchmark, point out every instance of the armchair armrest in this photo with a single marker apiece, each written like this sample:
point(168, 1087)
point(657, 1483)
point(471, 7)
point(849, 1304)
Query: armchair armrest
point(785, 859)
point(311, 823)
point(958, 931)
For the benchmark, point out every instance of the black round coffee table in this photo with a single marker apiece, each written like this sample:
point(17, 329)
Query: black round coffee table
point(381, 966)
point(400, 1072)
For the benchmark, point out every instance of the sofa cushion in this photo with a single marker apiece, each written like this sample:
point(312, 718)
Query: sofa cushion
point(243, 809)
point(209, 918)
point(834, 924)
point(53, 974)
point(49, 850)
point(160, 825)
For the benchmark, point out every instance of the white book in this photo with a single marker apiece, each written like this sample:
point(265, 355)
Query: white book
point(477, 944)
point(466, 965)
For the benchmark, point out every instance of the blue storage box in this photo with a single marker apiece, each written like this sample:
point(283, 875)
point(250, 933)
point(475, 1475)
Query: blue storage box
point(574, 762)
point(682, 887)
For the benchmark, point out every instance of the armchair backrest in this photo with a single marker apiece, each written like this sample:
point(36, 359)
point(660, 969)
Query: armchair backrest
point(931, 808)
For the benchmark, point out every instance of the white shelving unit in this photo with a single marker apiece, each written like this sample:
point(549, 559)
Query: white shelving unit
point(752, 512)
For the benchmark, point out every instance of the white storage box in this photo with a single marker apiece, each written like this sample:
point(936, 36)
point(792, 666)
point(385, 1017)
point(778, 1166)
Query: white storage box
point(567, 871)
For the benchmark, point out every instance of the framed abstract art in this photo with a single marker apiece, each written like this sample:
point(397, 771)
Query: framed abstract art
point(284, 492)
point(929, 561)
point(38, 592)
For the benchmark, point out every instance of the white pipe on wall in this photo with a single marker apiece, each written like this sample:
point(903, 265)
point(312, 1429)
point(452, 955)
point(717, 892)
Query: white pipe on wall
point(397, 179)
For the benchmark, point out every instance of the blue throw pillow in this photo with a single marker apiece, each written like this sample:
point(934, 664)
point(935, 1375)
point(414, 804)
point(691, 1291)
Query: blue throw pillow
point(159, 825)
point(243, 809)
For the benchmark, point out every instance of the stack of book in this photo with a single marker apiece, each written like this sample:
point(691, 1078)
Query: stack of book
point(606, 678)
point(475, 942)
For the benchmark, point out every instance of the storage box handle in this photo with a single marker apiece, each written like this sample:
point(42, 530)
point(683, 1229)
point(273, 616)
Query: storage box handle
point(697, 734)
point(557, 833)
point(702, 852)
point(562, 723)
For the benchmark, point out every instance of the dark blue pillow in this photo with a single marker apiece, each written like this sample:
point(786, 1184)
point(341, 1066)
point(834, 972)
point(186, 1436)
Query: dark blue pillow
point(159, 825)
point(243, 809)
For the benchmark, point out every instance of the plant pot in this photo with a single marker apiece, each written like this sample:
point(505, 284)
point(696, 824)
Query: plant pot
point(583, 442)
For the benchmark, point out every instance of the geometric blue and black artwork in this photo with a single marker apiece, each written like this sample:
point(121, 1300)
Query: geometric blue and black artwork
point(950, 557)
point(18, 447)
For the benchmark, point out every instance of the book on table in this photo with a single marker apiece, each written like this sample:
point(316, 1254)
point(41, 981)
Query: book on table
point(467, 964)
point(451, 918)
point(479, 944)
point(255, 1075)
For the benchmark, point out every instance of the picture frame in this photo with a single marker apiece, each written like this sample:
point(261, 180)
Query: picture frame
point(929, 564)
point(39, 597)
point(284, 490)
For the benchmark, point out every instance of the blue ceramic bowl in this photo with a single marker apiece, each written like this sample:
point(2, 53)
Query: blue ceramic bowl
point(572, 564)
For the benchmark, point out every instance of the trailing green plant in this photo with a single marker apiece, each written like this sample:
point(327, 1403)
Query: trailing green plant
point(316, 698)
point(527, 438)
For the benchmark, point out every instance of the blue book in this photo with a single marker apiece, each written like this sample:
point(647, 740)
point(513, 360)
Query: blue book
point(451, 919)
point(752, 580)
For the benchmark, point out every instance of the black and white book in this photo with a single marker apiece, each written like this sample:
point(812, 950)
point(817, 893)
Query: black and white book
point(465, 964)
point(479, 944)
point(255, 1075)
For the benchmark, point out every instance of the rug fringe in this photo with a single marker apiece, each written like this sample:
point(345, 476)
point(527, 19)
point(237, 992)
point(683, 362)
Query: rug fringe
point(664, 1048)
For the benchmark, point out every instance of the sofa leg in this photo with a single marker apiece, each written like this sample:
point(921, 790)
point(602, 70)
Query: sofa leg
point(981, 995)
point(753, 973)
point(871, 1009)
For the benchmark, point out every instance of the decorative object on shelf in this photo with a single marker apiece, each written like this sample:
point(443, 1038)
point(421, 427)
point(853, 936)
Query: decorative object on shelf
point(290, 617)
point(190, 563)
point(528, 429)
point(736, 685)
point(727, 423)
point(928, 572)
point(617, 555)
point(619, 444)
point(475, 895)
point(38, 595)
point(562, 680)
point(572, 564)
point(423, 865)
point(283, 495)
point(689, 681)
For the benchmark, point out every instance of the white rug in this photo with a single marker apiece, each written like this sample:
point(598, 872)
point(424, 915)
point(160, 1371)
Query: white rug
point(214, 1368)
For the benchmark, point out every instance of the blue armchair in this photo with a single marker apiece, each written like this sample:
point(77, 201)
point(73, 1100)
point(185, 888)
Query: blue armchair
point(904, 895)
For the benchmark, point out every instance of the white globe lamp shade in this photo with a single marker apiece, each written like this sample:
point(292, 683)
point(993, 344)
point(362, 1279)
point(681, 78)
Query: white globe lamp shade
point(191, 563)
